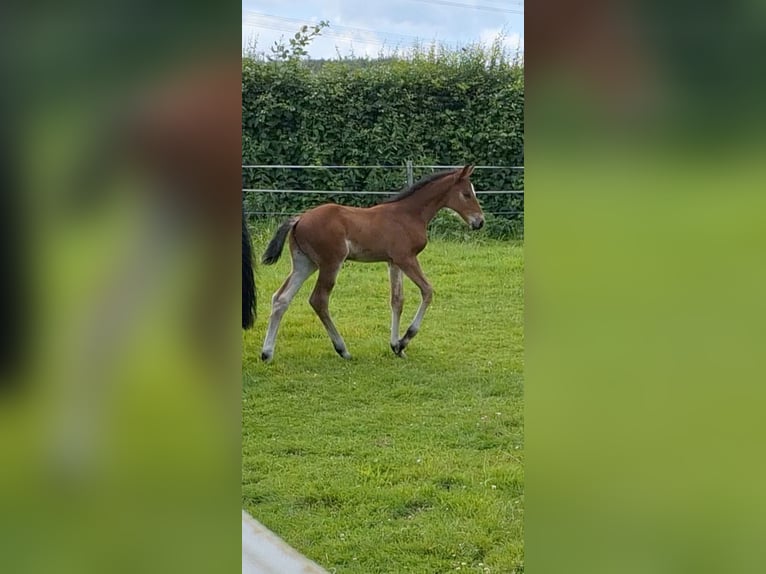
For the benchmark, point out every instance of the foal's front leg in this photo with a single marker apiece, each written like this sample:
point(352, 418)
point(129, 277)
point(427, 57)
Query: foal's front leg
point(411, 269)
point(397, 304)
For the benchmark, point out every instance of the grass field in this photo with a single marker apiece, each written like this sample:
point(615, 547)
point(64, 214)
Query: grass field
point(381, 464)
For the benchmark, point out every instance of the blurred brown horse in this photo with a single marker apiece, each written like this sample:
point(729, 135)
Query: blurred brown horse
point(604, 45)
point(172, 149)
point(182, 134)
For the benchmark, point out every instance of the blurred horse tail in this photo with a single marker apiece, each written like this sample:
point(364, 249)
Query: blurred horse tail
point(248, 279)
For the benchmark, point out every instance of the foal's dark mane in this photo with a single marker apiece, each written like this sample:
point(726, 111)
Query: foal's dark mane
point(418, 185)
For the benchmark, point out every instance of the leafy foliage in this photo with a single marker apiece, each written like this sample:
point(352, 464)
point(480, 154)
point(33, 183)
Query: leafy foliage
point(434, 107)
point(296, 46)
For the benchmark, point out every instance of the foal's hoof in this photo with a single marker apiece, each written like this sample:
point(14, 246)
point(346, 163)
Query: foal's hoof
point(398, 350)
point(343, 353)
point(266, 356)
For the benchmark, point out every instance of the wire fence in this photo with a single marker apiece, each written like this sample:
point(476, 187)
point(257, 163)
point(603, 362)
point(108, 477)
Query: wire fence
point(409, 167)
point(353, 192)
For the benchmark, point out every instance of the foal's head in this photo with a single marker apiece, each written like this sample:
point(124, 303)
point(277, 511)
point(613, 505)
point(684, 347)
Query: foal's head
point(461, 198)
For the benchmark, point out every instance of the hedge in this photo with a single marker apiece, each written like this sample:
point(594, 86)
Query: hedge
point(434, 108)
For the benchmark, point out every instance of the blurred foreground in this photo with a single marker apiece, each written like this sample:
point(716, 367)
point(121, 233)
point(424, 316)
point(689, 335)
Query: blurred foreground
point(119, 412)
point(645, 279)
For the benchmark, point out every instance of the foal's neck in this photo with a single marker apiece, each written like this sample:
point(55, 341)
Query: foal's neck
point(425, 203)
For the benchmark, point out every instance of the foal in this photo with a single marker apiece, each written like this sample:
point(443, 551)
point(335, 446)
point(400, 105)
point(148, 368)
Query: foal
point(393, 231)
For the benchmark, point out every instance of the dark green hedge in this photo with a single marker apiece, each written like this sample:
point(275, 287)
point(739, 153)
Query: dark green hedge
point(445, 109)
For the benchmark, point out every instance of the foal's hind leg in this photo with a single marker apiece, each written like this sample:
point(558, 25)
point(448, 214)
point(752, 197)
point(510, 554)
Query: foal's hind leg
point(319, 301)
point(411, 269)
point(303, 267)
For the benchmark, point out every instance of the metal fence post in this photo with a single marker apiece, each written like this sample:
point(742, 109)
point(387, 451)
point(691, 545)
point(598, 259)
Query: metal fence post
point(409, 172)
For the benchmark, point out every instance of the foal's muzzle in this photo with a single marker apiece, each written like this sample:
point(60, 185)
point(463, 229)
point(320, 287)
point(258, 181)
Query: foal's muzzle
point(477, 223)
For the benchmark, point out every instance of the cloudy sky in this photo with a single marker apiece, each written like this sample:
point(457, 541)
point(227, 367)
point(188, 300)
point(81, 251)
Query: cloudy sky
point(370, 26)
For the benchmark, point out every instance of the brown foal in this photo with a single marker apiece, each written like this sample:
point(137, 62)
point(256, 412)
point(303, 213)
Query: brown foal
point(393, 231)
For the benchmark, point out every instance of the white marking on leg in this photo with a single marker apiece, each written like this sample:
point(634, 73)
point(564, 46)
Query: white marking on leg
point(394, 328)
point(424, 302)
point(303, 267)
point(413, 271)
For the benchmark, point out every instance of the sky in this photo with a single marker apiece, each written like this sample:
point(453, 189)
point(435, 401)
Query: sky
point(367, 27)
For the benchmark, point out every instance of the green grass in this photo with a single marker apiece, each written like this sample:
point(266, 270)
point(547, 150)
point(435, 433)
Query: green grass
point(381, 464)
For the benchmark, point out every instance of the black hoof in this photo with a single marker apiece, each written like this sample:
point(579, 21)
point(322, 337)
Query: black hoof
point(266, 357)
point(343, 353)
point(398, 349)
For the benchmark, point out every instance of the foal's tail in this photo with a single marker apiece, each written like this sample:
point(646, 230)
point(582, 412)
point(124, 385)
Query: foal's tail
point(248, 279)
point(277, 243)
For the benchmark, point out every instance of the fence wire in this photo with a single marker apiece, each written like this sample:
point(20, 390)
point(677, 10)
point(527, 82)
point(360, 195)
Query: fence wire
point(408, 168)
point(289, 213)
point(352, 192)
point(277, 166)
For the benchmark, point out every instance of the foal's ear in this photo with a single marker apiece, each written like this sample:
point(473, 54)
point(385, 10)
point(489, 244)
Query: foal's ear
point(466, 171)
